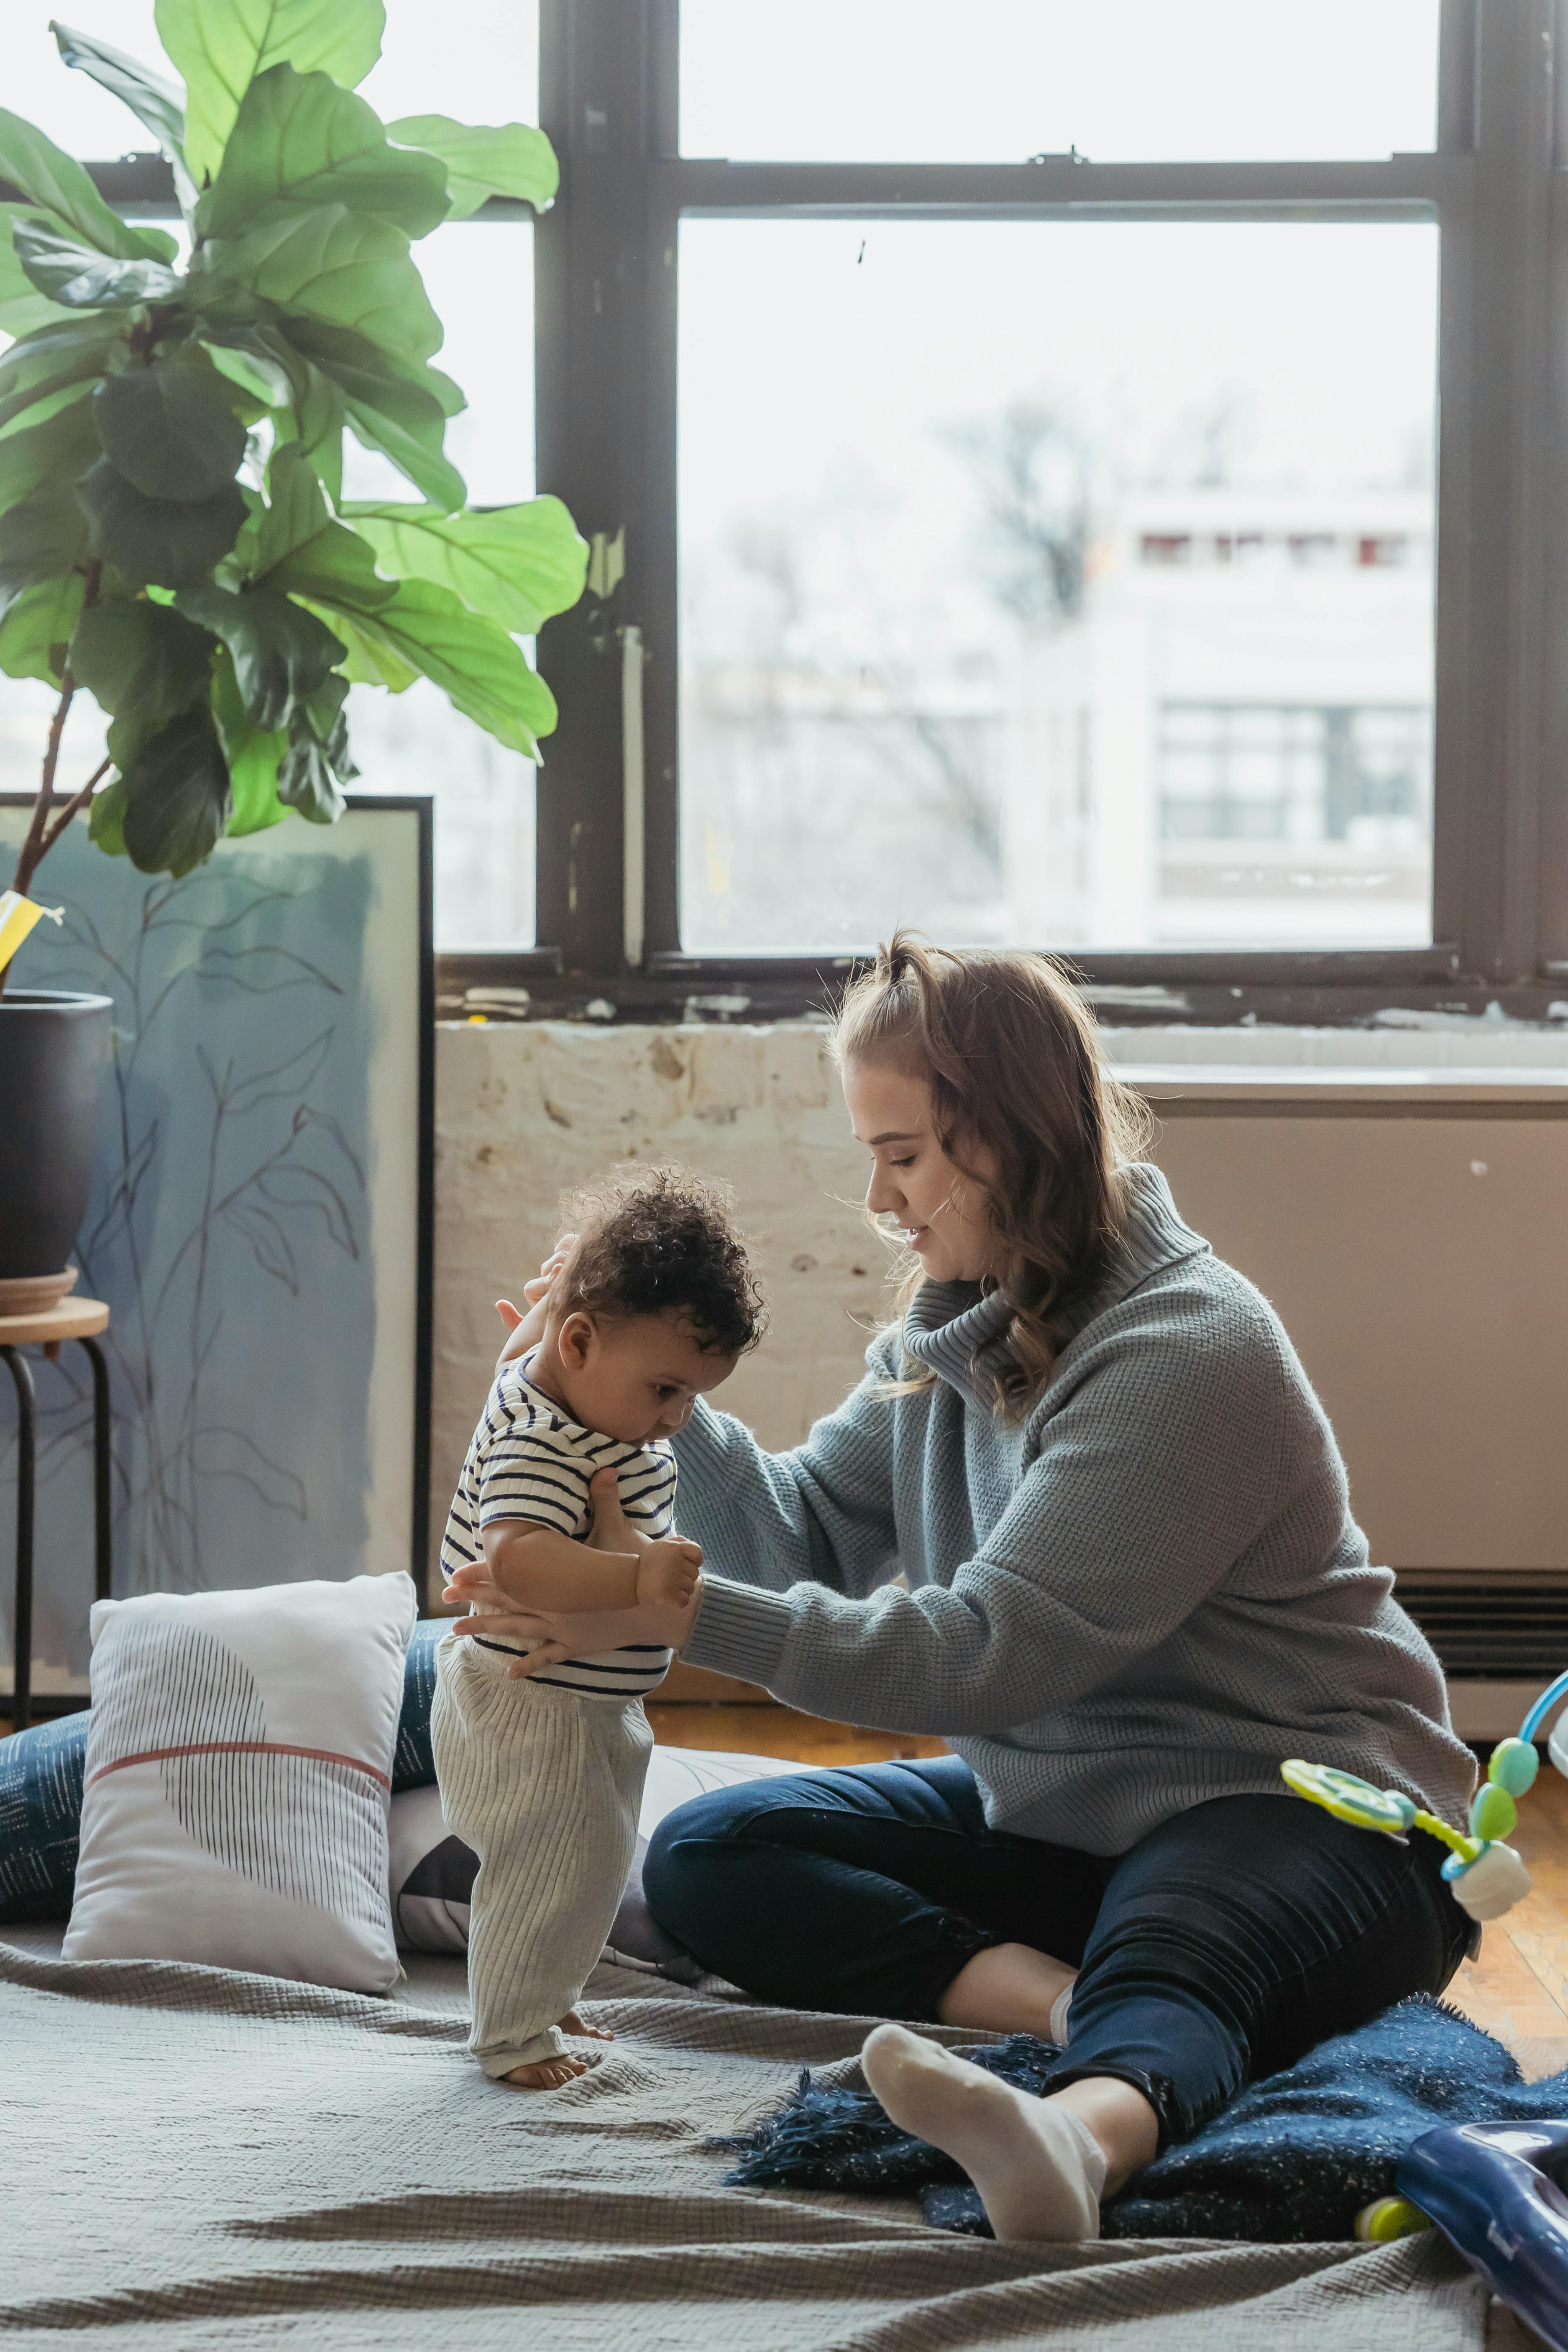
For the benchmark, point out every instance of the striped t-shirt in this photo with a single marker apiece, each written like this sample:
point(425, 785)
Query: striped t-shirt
point(530, 1460)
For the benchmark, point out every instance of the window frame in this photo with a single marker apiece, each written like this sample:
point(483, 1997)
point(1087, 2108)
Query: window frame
point(606, 325)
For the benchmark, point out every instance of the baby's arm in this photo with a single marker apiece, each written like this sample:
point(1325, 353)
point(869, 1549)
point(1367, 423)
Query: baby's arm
point(535, 1568)
point(538, 1567)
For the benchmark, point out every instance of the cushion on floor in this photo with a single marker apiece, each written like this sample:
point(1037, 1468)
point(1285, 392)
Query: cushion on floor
point(238, 1773)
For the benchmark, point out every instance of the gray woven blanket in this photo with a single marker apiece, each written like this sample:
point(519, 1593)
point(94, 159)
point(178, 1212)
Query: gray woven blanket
point(197, 2158)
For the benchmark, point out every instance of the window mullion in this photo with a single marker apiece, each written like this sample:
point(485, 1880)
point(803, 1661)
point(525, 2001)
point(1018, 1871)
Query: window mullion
point(1495, 328)
point(590, 373)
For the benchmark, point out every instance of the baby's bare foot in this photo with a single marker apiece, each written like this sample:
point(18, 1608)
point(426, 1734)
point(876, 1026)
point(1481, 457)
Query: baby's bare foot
point(572, 2023)
point(547, 2074)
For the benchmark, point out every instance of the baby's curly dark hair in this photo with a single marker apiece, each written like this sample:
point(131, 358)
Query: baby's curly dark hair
point(657, 1240)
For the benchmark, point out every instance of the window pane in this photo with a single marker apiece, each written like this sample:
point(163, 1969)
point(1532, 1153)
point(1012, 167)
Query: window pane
point(1003, 80)
point(1058, 582)
point(474, 58)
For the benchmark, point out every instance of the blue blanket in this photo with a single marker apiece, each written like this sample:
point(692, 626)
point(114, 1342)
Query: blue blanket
point(1290, 2161)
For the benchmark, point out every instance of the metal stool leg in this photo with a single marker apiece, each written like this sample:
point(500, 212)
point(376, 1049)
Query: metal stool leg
point(102, 1467)
point(26, 1459)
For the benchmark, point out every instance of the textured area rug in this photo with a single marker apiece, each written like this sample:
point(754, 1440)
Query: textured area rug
point(195, 2158)
point(1291, 2161)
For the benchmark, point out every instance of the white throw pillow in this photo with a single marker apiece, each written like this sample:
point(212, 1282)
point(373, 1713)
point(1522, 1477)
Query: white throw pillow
point(433, 1872)
point(238, 1778)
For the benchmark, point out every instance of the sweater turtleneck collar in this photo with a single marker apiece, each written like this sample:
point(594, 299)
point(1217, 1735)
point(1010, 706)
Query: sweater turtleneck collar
point(956, 1329)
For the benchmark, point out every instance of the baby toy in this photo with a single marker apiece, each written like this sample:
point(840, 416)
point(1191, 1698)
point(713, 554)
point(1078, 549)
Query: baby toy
point(1495, 2190)
point(1487, 1877)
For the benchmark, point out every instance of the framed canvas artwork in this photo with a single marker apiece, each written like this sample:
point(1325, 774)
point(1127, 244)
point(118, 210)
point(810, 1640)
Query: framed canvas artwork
point(260, 1222)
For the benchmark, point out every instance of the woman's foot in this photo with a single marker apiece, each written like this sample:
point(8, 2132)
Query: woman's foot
point(1039, 2169)
point(552, 2073)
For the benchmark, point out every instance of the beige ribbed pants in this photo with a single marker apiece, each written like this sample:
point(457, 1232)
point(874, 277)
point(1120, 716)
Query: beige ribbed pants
point(544, 1784)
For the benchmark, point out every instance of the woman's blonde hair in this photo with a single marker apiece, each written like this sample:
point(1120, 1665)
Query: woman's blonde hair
point(1009, 1051)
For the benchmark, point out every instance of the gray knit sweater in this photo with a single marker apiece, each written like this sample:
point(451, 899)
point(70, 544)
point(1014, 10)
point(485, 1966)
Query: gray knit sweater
point(1145, 1596)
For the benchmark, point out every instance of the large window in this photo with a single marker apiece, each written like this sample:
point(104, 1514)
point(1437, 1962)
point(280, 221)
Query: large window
point(1088, 480)
point(1083, 477)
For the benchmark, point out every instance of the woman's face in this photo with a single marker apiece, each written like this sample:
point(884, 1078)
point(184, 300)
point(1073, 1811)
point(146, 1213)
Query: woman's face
point(943, 1216)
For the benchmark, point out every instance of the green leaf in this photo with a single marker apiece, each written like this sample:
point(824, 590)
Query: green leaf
point(74, 351)
point(43, 539)
point(329, 719)
point(254, 370)
point(22, 307)
point(106, 818)
point(367, 664)
point(477, 666)
point(53, 452)
point(296, 511)
point(55, 183)
point(350, 269)
point(296, 540)
point(281, 653)
point(253, 754)
point(300, 142)
point(515, 564)
point(305, 777)
point(84, 279)
point(177, 795)
point(511, 160)
point(37, 630)
point(301, 550)
point(390, 407)
point(317, 422)
point(153, 101)
point(221, 46)
point(162, 540)
point(141, 662)
point(169, 429)
point(307, 407)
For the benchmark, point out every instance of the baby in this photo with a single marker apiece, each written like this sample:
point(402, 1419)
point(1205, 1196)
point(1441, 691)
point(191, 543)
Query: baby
point(651, 1305)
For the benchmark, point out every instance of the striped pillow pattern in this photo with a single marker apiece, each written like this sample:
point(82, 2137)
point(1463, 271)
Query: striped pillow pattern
point(238, 1775)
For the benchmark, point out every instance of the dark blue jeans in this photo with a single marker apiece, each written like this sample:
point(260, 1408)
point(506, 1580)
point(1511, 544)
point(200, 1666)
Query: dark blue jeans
point(1223, 1947)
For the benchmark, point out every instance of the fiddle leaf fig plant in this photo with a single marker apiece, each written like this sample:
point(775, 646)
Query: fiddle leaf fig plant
point(173, 537)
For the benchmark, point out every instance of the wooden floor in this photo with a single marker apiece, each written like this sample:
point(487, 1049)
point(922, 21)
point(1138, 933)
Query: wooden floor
point(1517, 1987)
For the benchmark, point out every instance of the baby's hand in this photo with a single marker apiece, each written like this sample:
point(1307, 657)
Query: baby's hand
point(668, 1572)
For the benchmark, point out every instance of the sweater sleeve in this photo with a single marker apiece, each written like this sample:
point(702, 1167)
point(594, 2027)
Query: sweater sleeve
point(823, 1511)
point(1122, 1525)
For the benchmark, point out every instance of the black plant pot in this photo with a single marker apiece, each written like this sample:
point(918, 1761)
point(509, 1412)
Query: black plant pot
point(54, 1047)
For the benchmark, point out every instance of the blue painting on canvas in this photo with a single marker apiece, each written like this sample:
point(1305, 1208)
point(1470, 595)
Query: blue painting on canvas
point(248, 1178)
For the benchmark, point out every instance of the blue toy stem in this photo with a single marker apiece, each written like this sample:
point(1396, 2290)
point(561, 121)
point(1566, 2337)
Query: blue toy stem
point(1543, 1707)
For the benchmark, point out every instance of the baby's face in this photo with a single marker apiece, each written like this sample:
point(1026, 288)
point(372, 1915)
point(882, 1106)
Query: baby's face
point(631, 1378)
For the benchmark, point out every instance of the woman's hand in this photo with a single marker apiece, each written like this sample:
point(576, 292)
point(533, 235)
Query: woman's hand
point(524, 1331)
point(540, 1648)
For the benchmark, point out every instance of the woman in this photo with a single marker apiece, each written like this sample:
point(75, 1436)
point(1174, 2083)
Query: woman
point(1134, 1586)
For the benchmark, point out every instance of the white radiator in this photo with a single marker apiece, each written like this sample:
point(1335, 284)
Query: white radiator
point(1411, 1226)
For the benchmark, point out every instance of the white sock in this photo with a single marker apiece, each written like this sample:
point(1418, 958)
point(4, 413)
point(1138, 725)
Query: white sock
point(1039, 2167)
point(1058, 2019)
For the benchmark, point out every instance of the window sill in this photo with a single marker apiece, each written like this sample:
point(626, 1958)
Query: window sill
point(1355, 990)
